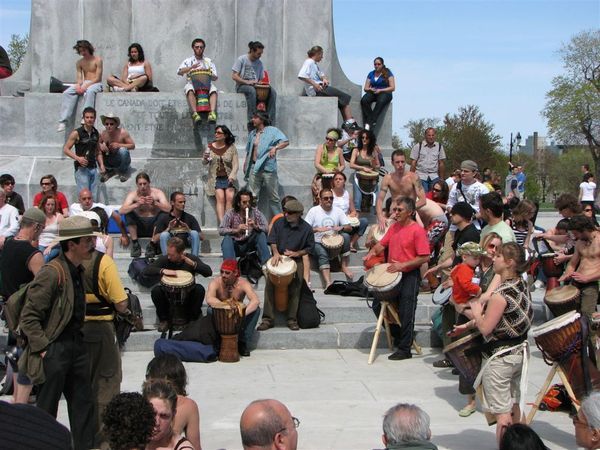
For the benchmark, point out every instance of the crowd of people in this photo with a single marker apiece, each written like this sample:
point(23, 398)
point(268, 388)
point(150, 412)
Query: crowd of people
point(464, 233)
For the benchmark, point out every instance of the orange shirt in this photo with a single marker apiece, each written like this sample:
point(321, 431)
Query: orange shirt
point(463, 288)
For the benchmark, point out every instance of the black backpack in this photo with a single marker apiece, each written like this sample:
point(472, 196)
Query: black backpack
point(308, 315)
point(136, 272)
point(348, 288)
point(249, 265)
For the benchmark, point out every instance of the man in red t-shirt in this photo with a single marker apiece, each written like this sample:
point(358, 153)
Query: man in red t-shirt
point(408, 248)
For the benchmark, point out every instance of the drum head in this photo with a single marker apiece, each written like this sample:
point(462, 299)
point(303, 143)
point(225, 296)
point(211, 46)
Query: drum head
point(368, 175)
point(378, 235)
point(353, 221)
point(556, 323)
point(285, 267)
point(379, 279)
point(463, 340)
point(561, 294)
point(332, 240)
point(441, 295)
point(181, 279)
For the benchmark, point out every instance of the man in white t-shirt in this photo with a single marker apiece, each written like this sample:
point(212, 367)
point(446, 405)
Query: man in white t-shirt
point(9, 219)
point(198, 61)
point(326, 219)
point(587, 190)
point(468, 189)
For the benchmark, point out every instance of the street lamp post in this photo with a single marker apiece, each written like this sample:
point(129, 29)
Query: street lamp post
point(516, 141)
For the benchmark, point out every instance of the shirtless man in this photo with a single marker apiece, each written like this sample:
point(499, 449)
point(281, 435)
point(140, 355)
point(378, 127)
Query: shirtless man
point(434, 221)
point(401, 184)
point(88, 84)
point(115, 145)
point(142, 208)
point(231, 285)
point(584, 267)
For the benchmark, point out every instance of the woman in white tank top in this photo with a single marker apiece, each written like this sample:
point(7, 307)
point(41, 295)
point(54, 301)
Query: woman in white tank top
point(136, 73)
point(47, 243)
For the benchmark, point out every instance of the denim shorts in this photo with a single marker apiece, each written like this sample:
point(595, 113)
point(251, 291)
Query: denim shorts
point(222, 183)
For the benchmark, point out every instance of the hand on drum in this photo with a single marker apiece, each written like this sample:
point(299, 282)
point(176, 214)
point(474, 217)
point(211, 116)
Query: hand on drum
point(561, 258)
point(395, 267)
point(276, 259)
point(458, 330)
point(448, 283)
point(169, 272)
point(291, 254)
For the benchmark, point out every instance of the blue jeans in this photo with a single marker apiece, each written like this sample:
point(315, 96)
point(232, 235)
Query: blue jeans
point(323, 255)
point(193, 239)
point(248, 325)
point(119, 161)
point(257, 241)
point(428, 184)
point(371, 116)
point(250, 94)
point(270, 182)
point(87, 179)
point(70, 97)
point(53, 253)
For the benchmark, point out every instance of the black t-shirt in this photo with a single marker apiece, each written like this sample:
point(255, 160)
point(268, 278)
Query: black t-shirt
point(13, 265)
point(294, 238)
point(17, 201)
point(470, 233)
point(163, 222)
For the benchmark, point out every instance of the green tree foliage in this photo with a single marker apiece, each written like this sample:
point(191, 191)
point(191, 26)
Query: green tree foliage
point(17, 47)
point(573, 104)
point(416, 128)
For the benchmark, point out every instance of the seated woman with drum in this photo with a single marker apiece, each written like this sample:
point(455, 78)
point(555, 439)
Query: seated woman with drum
point(365, 161)
point(504, 326)
point(343, 200)
point(178, 299)
point(136, 74)
point(221, 156)
point(328, 160)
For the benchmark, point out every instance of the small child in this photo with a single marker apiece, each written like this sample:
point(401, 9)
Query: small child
point(465, 284)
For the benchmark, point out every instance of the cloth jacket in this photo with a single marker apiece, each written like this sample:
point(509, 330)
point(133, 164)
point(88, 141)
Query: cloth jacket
point(47, 310)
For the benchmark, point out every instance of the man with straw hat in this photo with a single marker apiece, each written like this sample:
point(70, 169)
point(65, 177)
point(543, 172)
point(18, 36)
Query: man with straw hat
point(115, 145)
point(55, 356)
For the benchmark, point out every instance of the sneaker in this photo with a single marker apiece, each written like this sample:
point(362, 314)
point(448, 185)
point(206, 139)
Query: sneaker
point(61, 127)
point(106, 176)
point(442, 363)
point(399, 356)
point(293, 325)
point(243, 349)
point(212, 117)
point(196, 117)
point(136, 250)
point(118, 89)
point(265, 325)
point(150, 250)
point(123, 178)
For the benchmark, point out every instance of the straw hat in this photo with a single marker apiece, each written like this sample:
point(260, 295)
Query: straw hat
point(75, 227)
point(110, 116)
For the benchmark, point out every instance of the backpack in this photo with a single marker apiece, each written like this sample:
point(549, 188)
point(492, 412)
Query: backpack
point(308, 315)
point(14, 304)
point(136, 272)
point(348, 288)
point(250, 267)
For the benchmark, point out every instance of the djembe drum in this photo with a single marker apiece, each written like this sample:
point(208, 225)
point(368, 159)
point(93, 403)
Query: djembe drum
point(367, 184)
point(177, 289)
point(227, 319)
point(333, 243)
point(562, 299)
point(262, 95)
point(465, 354)
point(201, 81)
point(281, 276)
point(384, 285)
point(442, 295)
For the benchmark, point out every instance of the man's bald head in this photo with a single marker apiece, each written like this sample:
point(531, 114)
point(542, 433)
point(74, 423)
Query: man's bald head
point(86, 199)
point(268, 424)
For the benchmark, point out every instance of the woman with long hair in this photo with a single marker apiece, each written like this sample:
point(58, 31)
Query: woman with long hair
point(521, 222)
point(504, 325)
point(439, 193)
point(163, 397)
point(365, 158)
point(49, 185)
point(221, 156)
point(328, 160)
point(379, 85)
point(136, 74)
point(47, 242)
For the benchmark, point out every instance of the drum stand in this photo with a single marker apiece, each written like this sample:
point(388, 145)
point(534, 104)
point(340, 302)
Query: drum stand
point(385, 320)
point(555, 369)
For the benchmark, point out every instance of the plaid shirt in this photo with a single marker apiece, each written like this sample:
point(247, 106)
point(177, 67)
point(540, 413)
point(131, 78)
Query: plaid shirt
point(232, 220)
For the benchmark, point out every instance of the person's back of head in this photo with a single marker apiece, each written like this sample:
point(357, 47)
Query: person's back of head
point(267, 424)
point(405, 423)
point(128, 421)
point(519, 436)
point(492, 201)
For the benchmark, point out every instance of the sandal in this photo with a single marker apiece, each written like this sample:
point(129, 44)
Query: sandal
point(467, 411)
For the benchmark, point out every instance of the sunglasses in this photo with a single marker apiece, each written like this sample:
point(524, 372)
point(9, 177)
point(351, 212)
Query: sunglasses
point(436, 190)
point(328, 139)
point(586, 209)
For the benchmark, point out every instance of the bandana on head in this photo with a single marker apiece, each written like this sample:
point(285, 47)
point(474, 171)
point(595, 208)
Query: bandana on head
point(333, 135)
point(230, 265)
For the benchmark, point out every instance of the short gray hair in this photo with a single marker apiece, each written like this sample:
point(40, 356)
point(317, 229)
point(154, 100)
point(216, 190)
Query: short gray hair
point(591, 410)
point(405, 422)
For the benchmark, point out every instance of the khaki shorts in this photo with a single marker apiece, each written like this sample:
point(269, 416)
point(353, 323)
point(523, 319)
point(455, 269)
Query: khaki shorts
point(189, 87)
point(501, 381)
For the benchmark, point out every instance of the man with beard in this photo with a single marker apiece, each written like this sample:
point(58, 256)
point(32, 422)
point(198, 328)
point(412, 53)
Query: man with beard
point(229, 285)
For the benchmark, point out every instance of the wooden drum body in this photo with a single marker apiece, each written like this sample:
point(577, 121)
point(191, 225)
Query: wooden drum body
point(227, 319)
point(384, 286)
point(367, 183)
point(201, 80)
point(177, 289)
point(262, 95)
point(560, 341)
point(549, 268)
point(465, 353)
point(562, 300)
point(327, 180)
point(281, 276)
point(333, 243)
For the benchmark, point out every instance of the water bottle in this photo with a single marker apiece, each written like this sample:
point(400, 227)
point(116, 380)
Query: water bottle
point(476, 276)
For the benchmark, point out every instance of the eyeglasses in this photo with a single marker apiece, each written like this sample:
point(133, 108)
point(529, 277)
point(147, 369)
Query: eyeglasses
point(46, 184)
point(492, 246)
point(436, 190)
point(6, 183)
point(398, 209)
point(586, 209)
point(295, 421)
point(328, 139)
point(219, 132)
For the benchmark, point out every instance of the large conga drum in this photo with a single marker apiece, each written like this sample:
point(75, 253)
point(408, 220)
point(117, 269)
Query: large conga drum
point(560, 340)
point(177, 289)
point(201, 81)
point(333, 243)
point(549, 268)
point(281, 276)
point(562, 299)
point(327, 180)
point(367, 183)
point(465, 353)
point(227, 319)
point(262, 95)
point(383, 285)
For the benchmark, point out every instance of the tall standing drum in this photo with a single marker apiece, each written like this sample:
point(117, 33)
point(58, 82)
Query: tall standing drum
point(384, 285)
point(227, 319)
point(177, 289)
point(201, 80)
point(367, 183)
point(281, 276)
point(333, 243)
point(262, 95)
point(465, 353)
point(327, 180)
point(562, 299)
